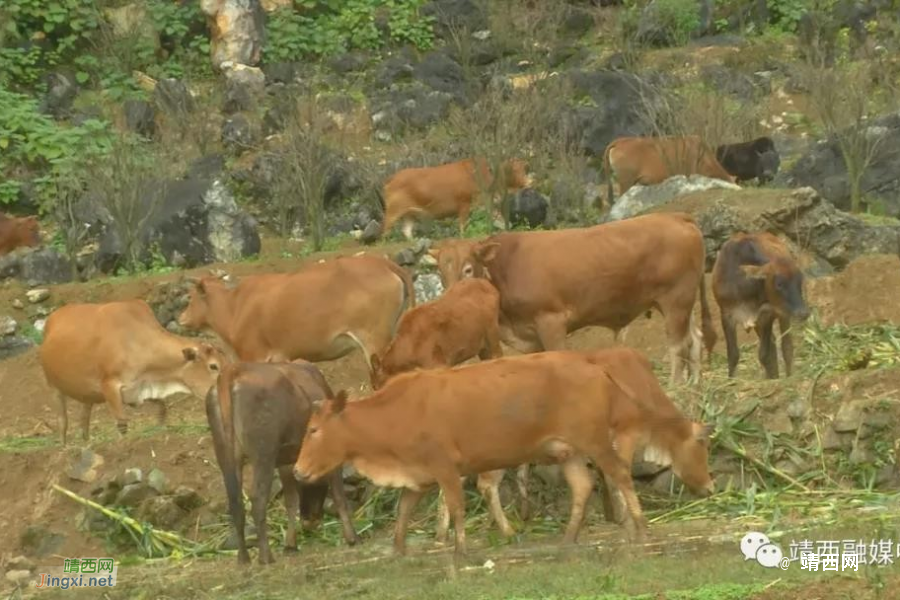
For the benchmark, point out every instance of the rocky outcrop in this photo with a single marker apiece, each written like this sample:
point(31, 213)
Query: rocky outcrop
point(809, 222)
point(640, 198)
point(237, 30)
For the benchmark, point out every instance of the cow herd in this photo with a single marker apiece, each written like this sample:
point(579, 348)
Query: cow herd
point(430, 420)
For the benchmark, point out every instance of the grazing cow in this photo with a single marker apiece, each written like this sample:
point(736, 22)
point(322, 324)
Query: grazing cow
point(321, 312)
point(552, 283)
point(443, 191)
point(257, 413)
point(757, 159)
point(18, 232)
point(459, 325)
point(652, 160)
point(434, 426)
point(118, 353)
point(755, 281)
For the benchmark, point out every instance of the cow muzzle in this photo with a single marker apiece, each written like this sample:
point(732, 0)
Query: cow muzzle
point(300, 475)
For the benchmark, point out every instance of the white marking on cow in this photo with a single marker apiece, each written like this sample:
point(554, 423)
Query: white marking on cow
point(136, 393)
point(362, 346)
point(385, 475)
point(745, 316)
point(655, 454)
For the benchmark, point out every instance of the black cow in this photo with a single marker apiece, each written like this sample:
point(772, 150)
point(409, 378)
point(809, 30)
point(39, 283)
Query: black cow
point(748, 160)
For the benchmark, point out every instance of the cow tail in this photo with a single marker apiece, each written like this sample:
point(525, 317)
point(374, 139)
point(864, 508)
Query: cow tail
point(607, 168)
point(706, 326)
point(220, 414)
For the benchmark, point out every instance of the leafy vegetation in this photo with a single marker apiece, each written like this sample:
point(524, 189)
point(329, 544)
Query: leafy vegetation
point(325, 27)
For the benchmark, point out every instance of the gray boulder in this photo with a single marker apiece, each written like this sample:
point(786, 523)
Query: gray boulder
point(140, 117)
point(833, 237)
point(37, 266)
point(240, 33)
point(428, 286)
point(639, 198)
point(823, 169)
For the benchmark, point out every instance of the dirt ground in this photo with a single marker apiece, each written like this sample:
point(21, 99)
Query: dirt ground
point(31, 458)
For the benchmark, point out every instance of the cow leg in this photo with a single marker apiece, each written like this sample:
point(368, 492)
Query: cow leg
point(787, 345)
point(451, 485)
point(442, 530)
point(235, 495)
point(581, 484)
point(339, 497)
point(464, 209)
point(491, 348)
point(112, 393)
point(768, 352)
point(731, 343)
point(262, 486)
point(551, 330)
point(290, 488)
point(63, 418)
point(522, 485)
point(408, 501)
point(489, 486)
point(610, 464)
point(86, 420)
point(614, 502)
point(161, 410)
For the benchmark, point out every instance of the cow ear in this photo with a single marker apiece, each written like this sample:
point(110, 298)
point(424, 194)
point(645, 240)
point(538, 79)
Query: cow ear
point(190, 353)
point(339, 402)
point(702, 432)
point(755, 271)
point(487, 252)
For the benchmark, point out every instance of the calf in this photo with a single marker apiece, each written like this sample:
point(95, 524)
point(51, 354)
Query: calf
point(459, 325)
point(321, 312)
point(443, 191)
point(18, 232)
point(118, 353)
point(652, 160)
point(757, 159)
point(755, 282)
point(434, 426)
point(258, 413)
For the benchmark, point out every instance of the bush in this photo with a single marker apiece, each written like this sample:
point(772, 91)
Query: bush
point(324, 27)
point(32, 142)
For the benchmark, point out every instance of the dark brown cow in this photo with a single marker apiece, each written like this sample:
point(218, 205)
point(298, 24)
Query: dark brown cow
point(434, 426)
point(18, 232)
point(322, 312)
point(552, 283)
point(757, 159)
point(443, 191)
point(652, 160)
point(118, 353)
point(755, 282)
point(258, 413)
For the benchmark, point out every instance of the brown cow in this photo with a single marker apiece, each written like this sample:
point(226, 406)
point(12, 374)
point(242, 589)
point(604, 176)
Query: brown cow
point(321, 312)
point(118, 353)
point(652, 160)
point(447, 331)
point(18, 232)
point(443, 191)
point(755, 282)
point(552, 283)
point(434, 426)
point(257, 413)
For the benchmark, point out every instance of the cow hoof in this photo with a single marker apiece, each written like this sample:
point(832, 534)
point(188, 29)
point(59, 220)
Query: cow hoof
point(290, 549)
point(243, 558)
point(353, 541)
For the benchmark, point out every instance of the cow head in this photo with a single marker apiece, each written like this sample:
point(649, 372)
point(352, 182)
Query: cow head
point(201, 367)
point(324, 447)
point(28, 232)
point(767, 166)
point(516, 173)
point(196, 315)
point(783, 287)
point(690, 460)
point(462, 259)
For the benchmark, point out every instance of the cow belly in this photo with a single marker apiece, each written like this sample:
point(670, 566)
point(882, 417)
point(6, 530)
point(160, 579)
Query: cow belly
point(392, 475)
point(136, 393)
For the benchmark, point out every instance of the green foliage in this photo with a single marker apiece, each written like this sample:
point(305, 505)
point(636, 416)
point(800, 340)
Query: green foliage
point(785, 14)
point(325, 27)
point(37, 34)
point(31, 141)
point(680, 18)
